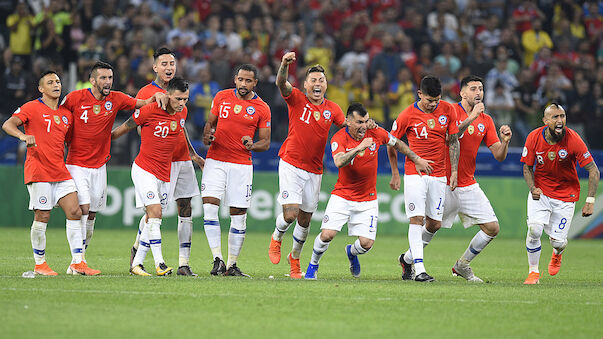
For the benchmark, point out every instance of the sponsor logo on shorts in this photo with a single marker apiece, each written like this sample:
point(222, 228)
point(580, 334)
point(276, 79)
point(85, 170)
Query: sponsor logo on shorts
point(250, 110)
point(481, 127)
point(150, 195)
point(562, 153)
point(442, 120)
point(108, 105)
point(325, 219)
point(203, 187)
point(411, 206)
point(43, 200)
point(326, 114)
point(285, 194)
point(65, 120)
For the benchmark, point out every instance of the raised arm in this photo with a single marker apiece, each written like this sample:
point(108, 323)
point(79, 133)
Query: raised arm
point(11, 127)
point(499, 149)
point(263, 143)
point(123, 128)
point(593, 183)
point(283, 72)
point(392, 155)
point(453, 150)
point(341, 159)
point(528, 175)
point(477, 110)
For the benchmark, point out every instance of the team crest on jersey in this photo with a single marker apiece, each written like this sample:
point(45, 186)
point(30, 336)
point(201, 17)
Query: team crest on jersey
point(562, 153)
point(43, 200)
point(108, 105)
point(316, 115)
point(173, 125)
point(470, 129)
point(250, 110)
point(65, 120)
point(334, 146)
point(326, 114)
point(285, 195)
point(431, 123)
point(551, 156)
point(57, 120)
point(182, 123)
point(150, 195)
point(481, 127)
point(96, 109)
point(442, 120)
point(237, 109)
point(373, 147)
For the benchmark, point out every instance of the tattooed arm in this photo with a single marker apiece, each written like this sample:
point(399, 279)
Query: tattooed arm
point(123, 128)
point(454, 149)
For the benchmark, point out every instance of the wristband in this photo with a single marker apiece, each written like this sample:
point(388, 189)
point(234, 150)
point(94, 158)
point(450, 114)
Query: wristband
point(590, 200)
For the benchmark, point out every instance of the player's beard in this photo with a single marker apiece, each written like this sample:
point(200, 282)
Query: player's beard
point(557, 137)
point(243, 91)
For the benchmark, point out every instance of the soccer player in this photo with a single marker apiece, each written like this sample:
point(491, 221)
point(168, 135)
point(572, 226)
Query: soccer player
point(300, 166)
point(468, 200)
point(48, 181)
point(354, 198)
point(183, 181)
point(159, 134)
point(554, 150)
point(427, 124)
point(94, 110)
point(236, 115)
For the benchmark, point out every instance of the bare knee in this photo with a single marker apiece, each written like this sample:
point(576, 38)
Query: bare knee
point(491, 228)
point(366, 243)
point(304, 219)
point(73, 212)
point(237, 211)
point(154, 211)
point(327, 235)
point(290, 213)
point(418, 220)
point(85, 209)
point(184, 207)
point(433, 225)
point(42, 216)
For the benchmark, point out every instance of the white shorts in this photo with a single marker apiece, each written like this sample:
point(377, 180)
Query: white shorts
point(46, 195)
point(297, 186)
point(91, 186)
point(228, 182)
point(424, 196)
point(361, 216)
point(556, 215)
point(149, 189)
point(183, 182)
point(470, 203)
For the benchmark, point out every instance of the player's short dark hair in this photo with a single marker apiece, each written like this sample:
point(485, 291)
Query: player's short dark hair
point(177, 83)
point(358, 108)
point(45, 73)
point(316, 68)
point(431, 85)
point(162, 51)
point(246, 67)
point(99, 65)
point(470, 78)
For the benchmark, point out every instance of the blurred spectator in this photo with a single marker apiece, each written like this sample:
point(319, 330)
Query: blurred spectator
point(377, 103)
point(20, 24)
point(501, 74)
point(401, 93)
point(500, 105)
point(581, 106)
point(89, 53)
point(533, 40)
point(490, 35)
point(104, 23)
point(357, 58)
point(184, 33)
point(17, 84)
point(526, 105)
point(357, 87)
point(448, 60)
point(524, 15)
point(201, 95)
point(319, 53)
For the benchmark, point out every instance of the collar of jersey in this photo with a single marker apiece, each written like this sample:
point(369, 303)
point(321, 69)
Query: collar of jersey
point(155, 84)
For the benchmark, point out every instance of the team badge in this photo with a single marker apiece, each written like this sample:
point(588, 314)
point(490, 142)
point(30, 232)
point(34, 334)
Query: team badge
point(65, 120)
point(411, 207)
point(334, 146)
point(57, 120)
point(442, 120)
point(373, 147)
point(150, 195)
point(237, 109)
point(481, 127)
point(43, 200)
point(325, 219)
point(285, 195)
point(182, 123)
point(96, 109)
point(394, 126)
point(470, 129)
point(562, 153)
point(173, 125)
point(136, 113)
point(551, 156)
point(326, 114)
point(431, 123)
point(108, 105)
point(316, 115)
point(250, 110)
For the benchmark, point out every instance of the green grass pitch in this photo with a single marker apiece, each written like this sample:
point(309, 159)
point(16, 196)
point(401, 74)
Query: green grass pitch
point(378, 304)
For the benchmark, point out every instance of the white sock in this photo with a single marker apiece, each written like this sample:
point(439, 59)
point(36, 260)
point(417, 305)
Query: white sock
point(74, 237)
point(185, 235)
point(144, 247)
point(89, 231)
point(211, 224)
point(38, 241)
point(281, 227)
point(415, 242)
point(140, 228)
point(533, 247)
point(426, 237)
point(154, 225)
point(236, 236)
point(356, 249)
point(477, 244)
point(319, 249)
point(300, 234)
point(83, 221)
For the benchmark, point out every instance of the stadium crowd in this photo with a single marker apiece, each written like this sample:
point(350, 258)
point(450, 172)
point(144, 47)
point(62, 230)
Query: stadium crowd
point(530, 53)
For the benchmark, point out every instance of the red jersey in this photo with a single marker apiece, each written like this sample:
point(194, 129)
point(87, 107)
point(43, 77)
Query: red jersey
point(236, 118)
point(357, 181)
point(309, 126)
point(181, 148)
point(159, 134)
point(482, 128)
point(555, 165)
point(44, 162)
point(90, 139)
point(426, 133)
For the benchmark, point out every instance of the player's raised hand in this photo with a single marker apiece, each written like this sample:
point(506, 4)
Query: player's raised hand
point(536, 192)
point(587, 209)
point(247, 141)
point(30, 140)
point(365, 143)
point(453, 180)
point(477, 110)
point(394, 183)
point(288, 58)
point(423, 166)
point(371, 123)
point(505, 133)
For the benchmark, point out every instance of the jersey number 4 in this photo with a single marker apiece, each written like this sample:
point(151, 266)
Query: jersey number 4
point(421, 134)
point(84, 116)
